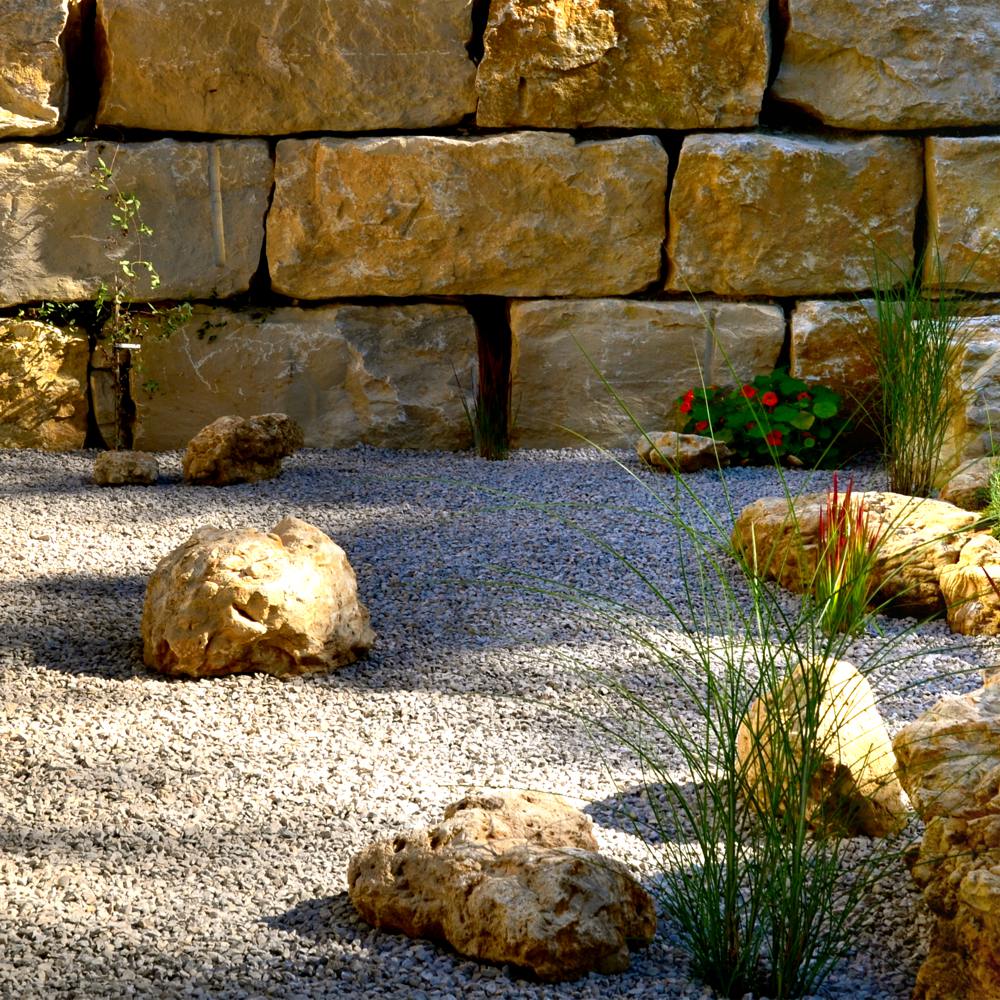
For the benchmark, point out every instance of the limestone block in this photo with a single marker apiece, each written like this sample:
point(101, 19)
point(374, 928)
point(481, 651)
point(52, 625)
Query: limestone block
point(969, 486)
point(125, 468)
point(682, 452)
point(271, 67)
point(650, 353)
point(241, 449)
point(43, 386)
point(892, 64)
point(205, 203)
point(529, 213)
point(33, 84)
point(963, 207)
point(755, 214)
point(671, 64)
point(832, 345)
point(382, 375)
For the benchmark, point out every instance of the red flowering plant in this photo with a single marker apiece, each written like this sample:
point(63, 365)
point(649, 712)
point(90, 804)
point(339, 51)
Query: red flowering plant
point(773, 416)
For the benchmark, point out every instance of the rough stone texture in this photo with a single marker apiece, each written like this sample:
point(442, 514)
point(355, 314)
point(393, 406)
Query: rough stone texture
point(831, 345)
point(125, 468)
point(854, 789)
point(949, 763)
point(973, 603)
point(382, 375)
point(523, 214)
point(531, 891)
point(271, 68)
point(104, 406)
point(672, 64)
point(682, 452)
point(892, 64)
point(33, 79)
point(281, 603)
point(756, 214)
point(919, 538)
point(205, 203)
point(963, 204)
point(241, 450)
point(650, 352)
point(43, 385)
point(969, 487)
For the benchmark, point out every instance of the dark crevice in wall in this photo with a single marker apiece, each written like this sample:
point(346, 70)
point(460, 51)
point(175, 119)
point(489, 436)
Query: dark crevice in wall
point(80, 47)
point(672, 142)
point(922, 244)
point(493, 414)
point(94, 438)
point(480, 18)
point(260, 283)
point(778, 20)
point(785, 354)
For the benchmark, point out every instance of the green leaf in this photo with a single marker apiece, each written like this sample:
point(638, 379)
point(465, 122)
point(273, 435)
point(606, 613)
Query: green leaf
point(784, 414)
point(803, 420)
point(826, 408)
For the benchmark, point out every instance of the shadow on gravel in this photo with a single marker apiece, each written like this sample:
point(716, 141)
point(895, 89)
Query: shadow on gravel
point(322, 919)
point(647, 811)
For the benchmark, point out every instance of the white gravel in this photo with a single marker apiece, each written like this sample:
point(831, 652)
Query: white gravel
point(190, 839)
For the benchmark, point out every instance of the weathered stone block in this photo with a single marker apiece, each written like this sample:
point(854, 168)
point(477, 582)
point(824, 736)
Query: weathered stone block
point(382, 375)
point(755, 214)
point(43, 386)
point(650, 352)
point(908, 64)
point(963, 208)
point(271, 67)
point(32, 66)
point(522, 214)
point(676, 64)
point(205, 203)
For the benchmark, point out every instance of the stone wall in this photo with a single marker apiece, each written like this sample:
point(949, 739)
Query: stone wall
point(346, 191)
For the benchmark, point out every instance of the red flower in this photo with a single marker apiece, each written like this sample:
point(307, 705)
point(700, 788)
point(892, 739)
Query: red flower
point(686, 406)
point(701, 425)
point(774, 438)
point(803, 395)
point(748, 392)
point(769, 399)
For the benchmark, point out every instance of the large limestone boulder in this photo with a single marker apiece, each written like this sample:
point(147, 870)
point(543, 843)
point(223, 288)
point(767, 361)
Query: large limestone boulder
point(33, 81)
point(963, 204)
point(347, 66)
point(205, 203)
point(649, 352)
point(241, 450)
point(670, 64)
point(918, 539)
point(971, 587)
point(125, 468)
point(386, 375)
point(853, 790)
point(756, 214)
point(949, 763)
point(502, 887)
point(227, 602)
point(905, 64)
point(682, 452)
point(43, 385)
point(969, 486)
point(531, 213)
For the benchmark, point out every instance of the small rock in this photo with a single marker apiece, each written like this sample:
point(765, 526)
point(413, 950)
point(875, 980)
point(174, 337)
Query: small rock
point(241, 450)
point(125, 468)
point(969, 487)
point(682, 452)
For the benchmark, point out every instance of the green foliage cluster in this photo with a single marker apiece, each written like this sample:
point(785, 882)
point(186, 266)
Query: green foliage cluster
point(772, 417)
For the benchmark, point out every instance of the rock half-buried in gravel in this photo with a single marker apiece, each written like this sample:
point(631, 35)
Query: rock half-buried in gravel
point(228, 602)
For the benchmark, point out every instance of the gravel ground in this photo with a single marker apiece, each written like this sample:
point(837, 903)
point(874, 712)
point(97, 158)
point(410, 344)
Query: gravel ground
point(169, 839)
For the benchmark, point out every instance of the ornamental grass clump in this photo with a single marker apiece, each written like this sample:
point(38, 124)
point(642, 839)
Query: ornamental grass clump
point(847, 548)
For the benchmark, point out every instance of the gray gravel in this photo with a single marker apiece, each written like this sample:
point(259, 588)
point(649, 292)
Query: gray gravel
point(190, 839)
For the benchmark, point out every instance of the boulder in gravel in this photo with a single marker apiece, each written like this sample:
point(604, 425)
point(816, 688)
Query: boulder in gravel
point(971, 587)
point(226, 602)
point(949, 762)
point(125, 468)
point(241, 450)
point(854, 789)
point(969, 486)
point(682, 452)
point(509, 878)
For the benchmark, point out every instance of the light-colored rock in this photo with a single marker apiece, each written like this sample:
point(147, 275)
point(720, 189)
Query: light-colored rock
point(529, 213)
point(383, 375)
point(973, 602)
point(969, 486)
point(205, 203)
point(671, 64)
point(43, 385)
point(104, 406)
point(682, 452)
point(649, 352)
point(892, 64)
point(853, 788)
point(33, 82)
point(832, 345)
point(125, 468)
point(918, 538)
point(272, 68)
point(515, 882)
point(281, 603)
point(963, 205)
point(241, 449)
point(755, 214)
